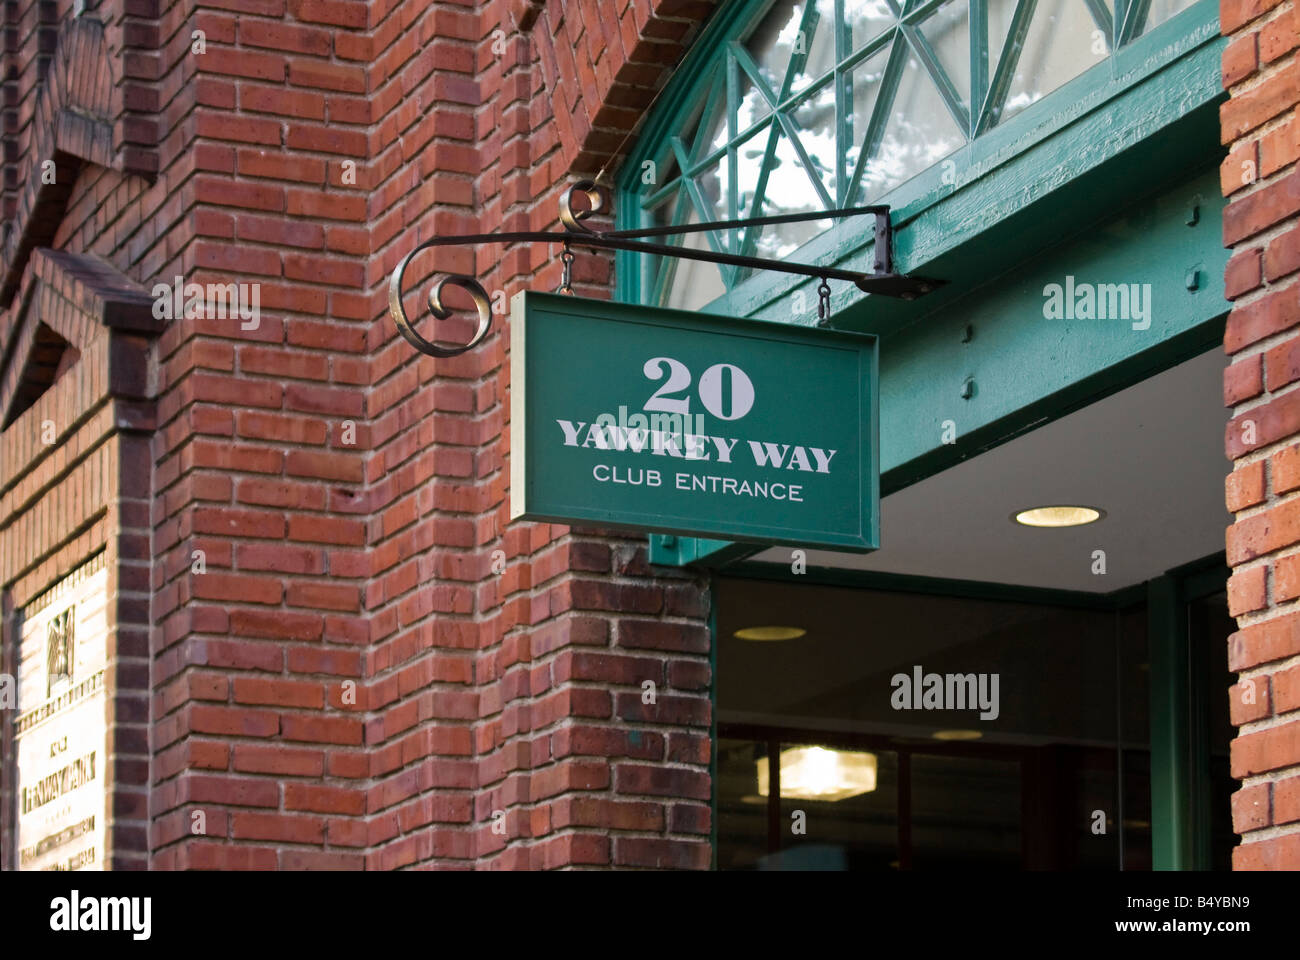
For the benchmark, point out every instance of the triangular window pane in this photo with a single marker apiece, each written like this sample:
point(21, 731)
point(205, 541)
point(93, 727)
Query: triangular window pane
point(753, 105)
point(667, 171)
point(794, 28)
point(712, 132)
point(863, 92)
point(1161, 10)
point(661, 216)
point(788, 191)
point(714, 190)
point(1062, 42)
point(867, 19)
point(814, 118)
point(694, 282)
point(750, 157)
point(920, 132)
point(1000, 14)
point(947, 31)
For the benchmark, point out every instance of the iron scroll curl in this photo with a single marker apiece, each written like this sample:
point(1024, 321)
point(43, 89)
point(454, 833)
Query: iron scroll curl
point(598, 201)
point(482, 304)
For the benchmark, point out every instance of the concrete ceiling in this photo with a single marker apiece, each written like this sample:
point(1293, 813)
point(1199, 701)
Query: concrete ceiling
point(1150, 456)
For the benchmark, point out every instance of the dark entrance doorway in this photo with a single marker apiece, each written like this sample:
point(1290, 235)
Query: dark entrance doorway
point(989, 697)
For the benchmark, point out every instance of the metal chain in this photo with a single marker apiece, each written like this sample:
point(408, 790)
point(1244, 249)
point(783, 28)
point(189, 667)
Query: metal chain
point(823, 301)
point(566, 257)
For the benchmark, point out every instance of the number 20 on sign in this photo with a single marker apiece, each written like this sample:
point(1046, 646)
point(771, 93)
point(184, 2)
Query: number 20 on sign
point(648, 419)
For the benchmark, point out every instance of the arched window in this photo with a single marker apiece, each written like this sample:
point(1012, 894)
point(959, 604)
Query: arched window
point(806, 105)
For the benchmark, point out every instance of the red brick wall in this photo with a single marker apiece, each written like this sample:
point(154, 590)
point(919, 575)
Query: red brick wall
point(330, 642)
point(376, 670)
point(1261, 128)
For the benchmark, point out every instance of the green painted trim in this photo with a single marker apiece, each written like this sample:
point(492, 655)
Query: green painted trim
point(1202, 578)
point(1171, 834)
point(667, 550)
point(1197, 580)
point(924, 365)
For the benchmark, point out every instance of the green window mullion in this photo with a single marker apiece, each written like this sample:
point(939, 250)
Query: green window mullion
point(843, 40)
point(978, 19)
point(708, 160)
point(668, 265)
point(760, 191)
point(1000, 86)
point(921, 11)
point(781, 100)
point(733, 168)
point(799, 60)
point(660, 195)
point(787, 123)
point(1135, 18)
point(868, 49)
point(879, 116)
point(1101, 17)
point(925, 53)
point(716, 90)
point(792, 132)
point(704, 210)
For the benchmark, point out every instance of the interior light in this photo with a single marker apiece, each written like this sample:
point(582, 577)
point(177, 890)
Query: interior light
point(770, 633)
point(819, 773)
point(1059, 516)
point(956, 734)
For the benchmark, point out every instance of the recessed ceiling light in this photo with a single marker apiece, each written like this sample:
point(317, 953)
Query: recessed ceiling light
point(956, 735)
point(1058, 516)
point(770, 633)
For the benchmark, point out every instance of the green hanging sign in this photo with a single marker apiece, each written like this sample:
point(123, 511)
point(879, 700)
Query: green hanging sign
point(669, 421)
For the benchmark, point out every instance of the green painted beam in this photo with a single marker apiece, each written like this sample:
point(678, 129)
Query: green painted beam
point(1027, 369)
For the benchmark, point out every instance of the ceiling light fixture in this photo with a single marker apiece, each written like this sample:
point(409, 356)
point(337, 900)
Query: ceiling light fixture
point(956, 734)
point(770, 633)
point(820, 773)
point(1058, 516)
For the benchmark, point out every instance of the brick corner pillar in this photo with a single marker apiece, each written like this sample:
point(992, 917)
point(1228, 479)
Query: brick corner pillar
point(593, 731)
point(1261, 130)
point(614, 769)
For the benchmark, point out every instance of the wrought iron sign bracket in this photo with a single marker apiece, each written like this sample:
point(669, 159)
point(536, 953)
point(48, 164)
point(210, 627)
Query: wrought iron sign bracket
point(882, 280)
